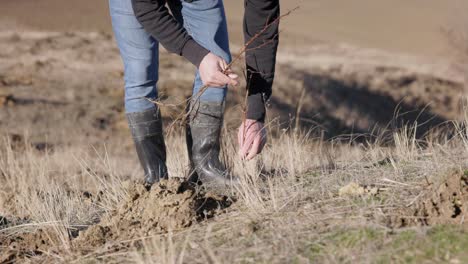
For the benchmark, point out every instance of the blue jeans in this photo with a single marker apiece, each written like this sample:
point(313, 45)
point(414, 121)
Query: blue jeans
point(204, 20)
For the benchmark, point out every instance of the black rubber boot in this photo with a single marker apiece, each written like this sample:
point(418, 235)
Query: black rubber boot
point(147, 132)
point(203, 143)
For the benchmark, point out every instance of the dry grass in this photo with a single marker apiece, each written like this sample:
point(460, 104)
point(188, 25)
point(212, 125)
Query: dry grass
point(287, 201)
point(287, 210)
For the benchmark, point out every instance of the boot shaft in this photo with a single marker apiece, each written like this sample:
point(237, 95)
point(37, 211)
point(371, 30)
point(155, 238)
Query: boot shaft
point(206, 120)
point(203, 142)
point(145, 124)
point(147, 131)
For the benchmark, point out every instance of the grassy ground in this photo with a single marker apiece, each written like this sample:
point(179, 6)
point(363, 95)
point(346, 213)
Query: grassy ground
point(289, 211)
point(436, 244)
point(341, 180)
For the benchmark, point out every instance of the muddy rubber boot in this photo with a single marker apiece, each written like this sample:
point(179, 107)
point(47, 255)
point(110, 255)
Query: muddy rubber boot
point(203, 143)
point(147, 132)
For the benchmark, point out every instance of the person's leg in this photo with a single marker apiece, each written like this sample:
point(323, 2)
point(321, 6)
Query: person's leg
point(139, 52)
point(205, 21)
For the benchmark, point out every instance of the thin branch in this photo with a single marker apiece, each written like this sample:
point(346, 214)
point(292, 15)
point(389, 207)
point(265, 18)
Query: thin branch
point(192, 101)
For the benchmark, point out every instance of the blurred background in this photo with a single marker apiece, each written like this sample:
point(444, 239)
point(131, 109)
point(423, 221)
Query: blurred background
point(408, 26)
point(344, 67)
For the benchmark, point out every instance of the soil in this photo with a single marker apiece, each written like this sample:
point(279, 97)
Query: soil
point(448, 203)
point(412, 27)
point(26, 245)
point(345, 100)
point(342, 90)
point(170, 205)
point(175, 205)
point(444, 203)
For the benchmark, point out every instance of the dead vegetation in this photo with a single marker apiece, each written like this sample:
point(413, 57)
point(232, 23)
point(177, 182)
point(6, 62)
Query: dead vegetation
point(290, 201)
point(78, 200)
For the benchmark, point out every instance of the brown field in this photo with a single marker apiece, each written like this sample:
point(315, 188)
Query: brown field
point(366, 161)
point(411, 27)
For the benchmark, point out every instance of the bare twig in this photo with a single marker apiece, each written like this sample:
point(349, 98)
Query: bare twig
point(192, 101)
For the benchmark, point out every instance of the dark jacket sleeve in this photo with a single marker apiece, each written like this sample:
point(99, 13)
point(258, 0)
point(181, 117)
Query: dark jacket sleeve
point(156, 20)
point(261, 54)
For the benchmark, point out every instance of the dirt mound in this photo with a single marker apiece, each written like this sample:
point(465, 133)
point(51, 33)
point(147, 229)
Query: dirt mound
point(169, 205)
point(446, 203)
point(26, 245)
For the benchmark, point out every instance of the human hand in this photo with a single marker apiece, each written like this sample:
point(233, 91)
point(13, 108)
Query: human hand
point(212, 70)
point(252, 138)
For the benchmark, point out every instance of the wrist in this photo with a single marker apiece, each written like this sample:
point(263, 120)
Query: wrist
point(256, 107)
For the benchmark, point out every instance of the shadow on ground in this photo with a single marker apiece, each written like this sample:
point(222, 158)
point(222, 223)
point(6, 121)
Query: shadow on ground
point(365, 103)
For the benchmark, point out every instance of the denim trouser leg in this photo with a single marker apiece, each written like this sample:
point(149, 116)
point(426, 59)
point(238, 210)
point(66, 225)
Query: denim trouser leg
point(139, 52)
point(204, 20)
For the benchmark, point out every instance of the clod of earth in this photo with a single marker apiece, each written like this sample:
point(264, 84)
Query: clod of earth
point(352, 189)
point(168, 206)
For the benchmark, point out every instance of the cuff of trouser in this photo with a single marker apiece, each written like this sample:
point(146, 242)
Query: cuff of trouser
point(211, 109)
point(194, 52)
point(256, 107)
point(145, 124)
point(207, 114)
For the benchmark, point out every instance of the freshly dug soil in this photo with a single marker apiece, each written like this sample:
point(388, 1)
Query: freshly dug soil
point(445, 203)
point(27, 245)
point(168, 206)
point(448, 203)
